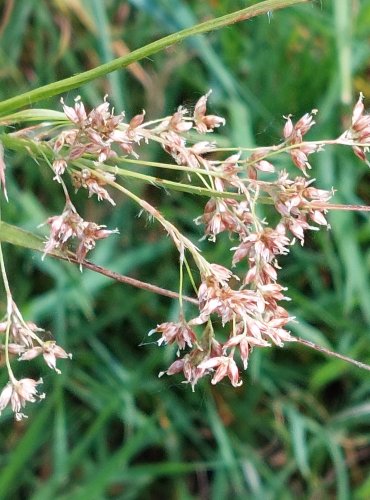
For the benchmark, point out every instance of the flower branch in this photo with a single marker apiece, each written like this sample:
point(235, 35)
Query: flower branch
point(84, 151)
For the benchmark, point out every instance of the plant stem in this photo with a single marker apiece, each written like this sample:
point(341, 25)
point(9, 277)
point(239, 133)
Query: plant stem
point(130, 281)
point(73, 82)
point(319, 348)
point(9, 310)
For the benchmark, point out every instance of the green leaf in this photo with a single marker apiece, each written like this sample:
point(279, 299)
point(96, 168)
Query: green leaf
point(20, 237)
point(299, 441)
point(32, 115)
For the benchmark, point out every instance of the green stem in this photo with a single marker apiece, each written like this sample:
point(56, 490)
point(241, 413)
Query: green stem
point(7, 360)
point(9, 311)
point(73, 82)
point(44, 151)
point(4, 276)
point(181, 284)
point(181, 242)
point(156, 181)
point(191, 277)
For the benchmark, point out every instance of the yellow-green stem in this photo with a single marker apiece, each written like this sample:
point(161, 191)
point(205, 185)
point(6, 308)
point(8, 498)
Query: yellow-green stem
point(62, 86)
point(9, 310)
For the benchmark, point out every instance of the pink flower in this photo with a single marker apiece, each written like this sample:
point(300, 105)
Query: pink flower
point(179, 333)
point(189, 366)
point(297, 226)
point(62, 228)
point(224, 301)
point(205, 123)
point(224, 366)
point(300, 160)
point(50, 351)
point(304, 124)
point(318, 217)
point(220, 215)
point(59, 167)
point(177, 123)
point(360, 129)
point(70, 225)
point(294, 133)
point(94, 183)
point(264, 245)
point(221, 273)
point(23, 334)
point(17, 393)
point(77, 114)
point(265, 166)
point(88, 234)
point(288, 127)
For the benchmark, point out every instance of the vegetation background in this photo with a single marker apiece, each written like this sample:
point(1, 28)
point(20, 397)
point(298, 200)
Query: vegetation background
point(109, 428)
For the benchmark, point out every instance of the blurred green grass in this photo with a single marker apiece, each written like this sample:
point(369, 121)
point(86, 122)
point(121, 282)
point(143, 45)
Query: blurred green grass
point(299, 426)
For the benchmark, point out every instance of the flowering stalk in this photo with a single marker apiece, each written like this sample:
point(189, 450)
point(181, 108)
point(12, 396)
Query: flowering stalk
point(86, 151)
point(9, 302)
point(22, 338)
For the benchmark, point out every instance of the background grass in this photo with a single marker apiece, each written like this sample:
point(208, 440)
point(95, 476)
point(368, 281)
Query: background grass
point(109, 428)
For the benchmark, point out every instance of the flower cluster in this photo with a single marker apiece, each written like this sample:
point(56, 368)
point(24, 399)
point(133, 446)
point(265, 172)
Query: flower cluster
point(238, 308)
point(359, 132)
point(247, 303)
point(293, 135)
point(250, 310)
point(24, 339)
point(70, 225)
point(101, 135)
point(17, 393)
point(104, 135)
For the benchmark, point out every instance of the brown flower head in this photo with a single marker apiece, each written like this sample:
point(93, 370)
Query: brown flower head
point(264, 245)
point(293, 135)
point(220, 215)
point(69, 225)
point(22, 333)
point(227, 303)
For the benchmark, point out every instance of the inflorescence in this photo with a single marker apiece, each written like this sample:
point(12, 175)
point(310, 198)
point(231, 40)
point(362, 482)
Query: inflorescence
point(239, 308)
